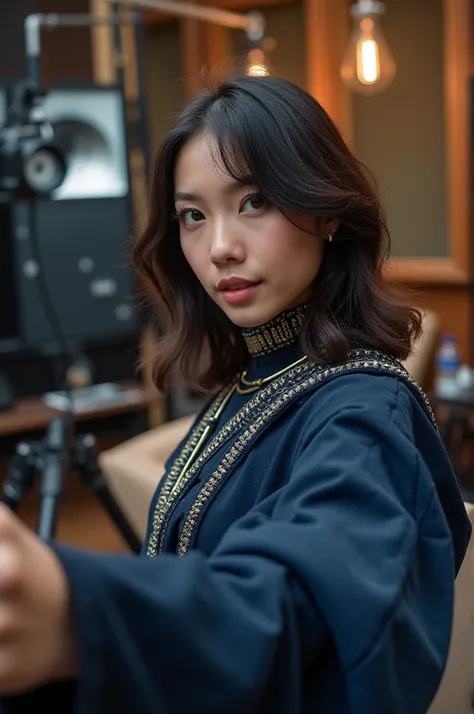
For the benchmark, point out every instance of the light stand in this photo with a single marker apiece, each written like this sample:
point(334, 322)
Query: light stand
point(60, 450)
point(51, 458)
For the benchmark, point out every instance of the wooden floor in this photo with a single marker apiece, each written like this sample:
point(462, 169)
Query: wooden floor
point(82, 520)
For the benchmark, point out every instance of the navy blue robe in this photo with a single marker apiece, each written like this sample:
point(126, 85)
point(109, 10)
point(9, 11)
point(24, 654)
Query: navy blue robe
point(305, 563)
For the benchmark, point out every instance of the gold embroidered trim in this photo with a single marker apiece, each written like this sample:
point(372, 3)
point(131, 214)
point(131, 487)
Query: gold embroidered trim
point(283, 330)
point(251, 418)
point(164, 501)
point(170, 495)
point(383, 363)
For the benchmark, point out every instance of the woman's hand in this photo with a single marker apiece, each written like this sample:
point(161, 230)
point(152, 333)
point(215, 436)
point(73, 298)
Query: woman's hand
point(37, 643)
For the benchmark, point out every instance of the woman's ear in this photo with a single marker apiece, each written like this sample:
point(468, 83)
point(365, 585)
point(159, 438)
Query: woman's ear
point(327, 228)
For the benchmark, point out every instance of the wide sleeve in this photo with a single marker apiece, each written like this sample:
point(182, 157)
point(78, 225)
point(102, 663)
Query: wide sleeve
point(353, 553)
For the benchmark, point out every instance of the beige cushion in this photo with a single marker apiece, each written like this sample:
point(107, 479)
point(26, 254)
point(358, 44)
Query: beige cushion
point(454, 694)
point(134, 469)
point(418, 362)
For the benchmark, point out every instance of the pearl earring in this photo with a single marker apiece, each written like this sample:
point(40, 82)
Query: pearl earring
point(330, 236)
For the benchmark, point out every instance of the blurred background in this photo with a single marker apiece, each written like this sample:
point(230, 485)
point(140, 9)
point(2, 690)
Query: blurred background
point(87, 91)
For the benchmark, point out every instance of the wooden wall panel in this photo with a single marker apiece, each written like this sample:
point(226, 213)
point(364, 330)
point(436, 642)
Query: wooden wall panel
point(192, 54)
point(66, 50)
point(452, 305)
point(328, 26)
point(219, 51)
point(457, 68)
point(12, 44)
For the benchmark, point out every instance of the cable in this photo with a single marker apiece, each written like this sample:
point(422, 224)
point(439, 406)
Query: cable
point(47, 303)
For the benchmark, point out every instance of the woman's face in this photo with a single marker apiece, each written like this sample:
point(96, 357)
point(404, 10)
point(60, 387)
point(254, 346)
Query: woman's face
point(251, 260)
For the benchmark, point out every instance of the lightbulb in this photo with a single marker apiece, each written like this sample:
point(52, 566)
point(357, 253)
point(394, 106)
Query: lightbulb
point(368, 66)
point(256, 63)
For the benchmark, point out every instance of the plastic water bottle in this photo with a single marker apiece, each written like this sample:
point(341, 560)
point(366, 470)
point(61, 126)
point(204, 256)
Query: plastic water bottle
point(447, 366)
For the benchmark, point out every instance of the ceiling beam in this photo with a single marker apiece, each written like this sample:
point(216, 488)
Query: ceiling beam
point(154, 17)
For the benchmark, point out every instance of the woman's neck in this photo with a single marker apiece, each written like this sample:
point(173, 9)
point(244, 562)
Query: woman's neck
point(282, 331)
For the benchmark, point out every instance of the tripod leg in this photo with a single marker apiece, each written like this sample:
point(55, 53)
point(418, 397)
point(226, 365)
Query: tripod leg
point(94, 479)
point(54, 464)
point(50, 492)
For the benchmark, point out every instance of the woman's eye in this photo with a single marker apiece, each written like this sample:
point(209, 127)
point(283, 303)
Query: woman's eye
point(253, 203)
point(191, 215)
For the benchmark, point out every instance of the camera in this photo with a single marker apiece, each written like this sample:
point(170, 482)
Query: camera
point(31, 164)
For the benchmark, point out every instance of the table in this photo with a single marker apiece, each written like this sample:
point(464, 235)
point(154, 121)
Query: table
point(31, 414)
point(455, 417)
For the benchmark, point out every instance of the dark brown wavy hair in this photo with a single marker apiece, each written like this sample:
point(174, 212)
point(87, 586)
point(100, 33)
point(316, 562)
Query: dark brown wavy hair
point(272, 134)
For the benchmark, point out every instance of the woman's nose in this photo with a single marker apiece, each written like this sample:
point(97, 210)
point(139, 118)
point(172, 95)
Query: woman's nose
point(226, 244)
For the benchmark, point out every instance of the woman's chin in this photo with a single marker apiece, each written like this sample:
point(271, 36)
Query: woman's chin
point(250, 316)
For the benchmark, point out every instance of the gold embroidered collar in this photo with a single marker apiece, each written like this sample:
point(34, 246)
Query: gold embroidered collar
point(283, 330)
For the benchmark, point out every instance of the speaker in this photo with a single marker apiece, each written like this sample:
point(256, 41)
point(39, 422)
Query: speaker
point(78, 238)
point(3, 105)
point(89, 128)
point(82, 249)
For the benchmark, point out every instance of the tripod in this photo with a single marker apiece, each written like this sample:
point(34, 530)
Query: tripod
point(51, 458)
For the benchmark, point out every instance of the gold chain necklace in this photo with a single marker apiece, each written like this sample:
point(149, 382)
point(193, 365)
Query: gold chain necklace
point(252, 386)
point(210, 426)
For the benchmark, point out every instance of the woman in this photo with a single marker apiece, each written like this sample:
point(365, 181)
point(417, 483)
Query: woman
point(304, 541)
